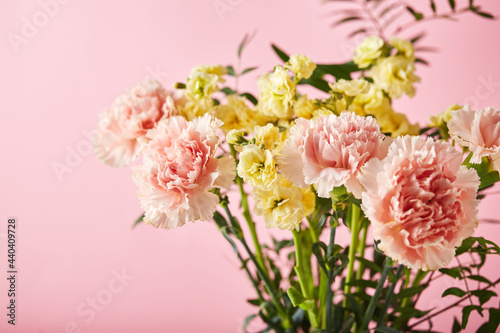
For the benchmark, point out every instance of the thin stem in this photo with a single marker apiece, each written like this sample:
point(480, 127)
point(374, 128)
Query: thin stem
point(250, 276)
point(267, 282)
point(329, 293)
point(448, 307)
point(373, 19)
point(355, 211)
point(465, 280)
point(373, 302)
point(403, 318)
point(428, 281)
point(303, 276)
point(361, 251)
point(248, 217)
point(388, 297)
point(297, 239)
point(430, 18)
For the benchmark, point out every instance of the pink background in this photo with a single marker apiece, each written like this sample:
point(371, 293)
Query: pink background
point(74, 232)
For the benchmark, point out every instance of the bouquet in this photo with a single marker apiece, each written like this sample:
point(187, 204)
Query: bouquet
point(407, 195)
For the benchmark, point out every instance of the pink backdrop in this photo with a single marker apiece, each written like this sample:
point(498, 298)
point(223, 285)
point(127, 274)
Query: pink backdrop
point(74, 235)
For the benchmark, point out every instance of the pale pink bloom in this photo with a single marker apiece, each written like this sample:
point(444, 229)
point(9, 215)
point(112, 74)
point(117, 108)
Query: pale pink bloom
point(479, 131)
point(329, 151)
point(180, 168)
point(122, 126)
point(421, 201)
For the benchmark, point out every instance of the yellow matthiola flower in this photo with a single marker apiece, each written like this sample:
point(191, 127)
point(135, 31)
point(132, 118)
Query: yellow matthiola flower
point(351, 87)
point(257, 166)
point(404, 47)
point(368, 52)
point(281, 205)
point(267, 135)
point(395, 75)
point(301, 65)
point(304, 107)
point(277, 91)
point(236, 114)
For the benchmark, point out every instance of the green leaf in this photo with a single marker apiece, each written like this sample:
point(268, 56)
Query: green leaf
point(456, 326)
point(298, 316)
point(484, 14)
point(283, 56)
point(479, 278)
point(246, 40)
point(483, 295)
point(316, 250)
point(242, 45)
point(271, 322)
point(452, 4)
point(230, 70)
point(323, 220)
point(484, 243)
point(494, 320)
point(295, 296)
point(317, 83)
point(247, 70)
point(418, 16)
point(363, 283)
point(466, 311)
point(278, 245)
point(228, 91)
point(387, 9)
point(410, 292)
point(433, 6)
point(139, 220)
point(250, 97)
point(454, 291)
point(345, 20)
point(422, 61)
point(486, 174)
point(220, 220)
point(355, 307)
point(374, 268)
point(453, 272)
point(387, 330)
point(247, 321)
point(255, 302)
point(356, 32)
point(339, 71)
point(466, 246)
point(418, 37)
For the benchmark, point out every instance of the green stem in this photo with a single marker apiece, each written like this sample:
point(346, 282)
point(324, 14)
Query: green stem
point(297, 239)
point(355, 211)
point(329, 293)
point(451, 306)
point(361, 251)
point(250, 276)
point(402, 320)
point(373, 302)
point(388, 297)
point(248, 217)
point(304, 278)
point(280, 308)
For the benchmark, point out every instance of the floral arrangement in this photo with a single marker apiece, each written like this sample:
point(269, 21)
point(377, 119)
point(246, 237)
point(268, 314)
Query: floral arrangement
point(408, 195)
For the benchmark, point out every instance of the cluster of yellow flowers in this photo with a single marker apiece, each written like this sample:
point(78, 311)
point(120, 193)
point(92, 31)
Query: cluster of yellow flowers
point(282, 204)
point(259, 131)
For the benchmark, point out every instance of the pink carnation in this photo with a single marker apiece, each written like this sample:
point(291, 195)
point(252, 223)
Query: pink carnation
point(122, 127)
point(421, 201)
point(180, 168)
point(329, 151)
point(478, 130)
